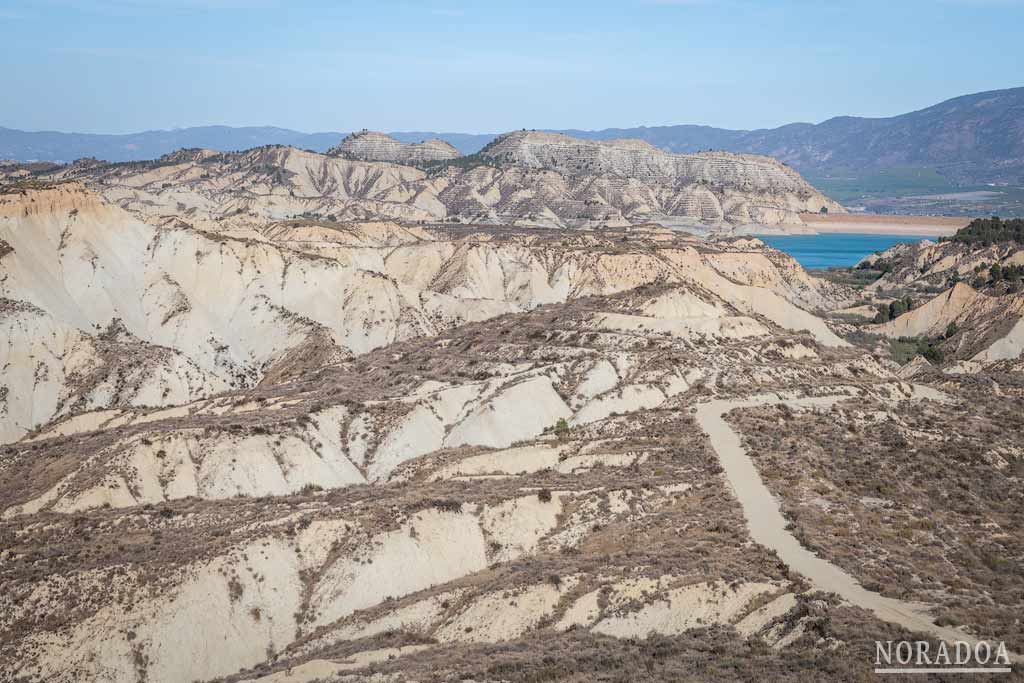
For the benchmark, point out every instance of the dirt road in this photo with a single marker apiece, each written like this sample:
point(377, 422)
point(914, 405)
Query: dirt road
point(768, 527)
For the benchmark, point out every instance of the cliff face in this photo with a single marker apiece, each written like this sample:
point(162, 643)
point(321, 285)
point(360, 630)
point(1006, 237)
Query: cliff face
point(523, 178)
point(372, 146)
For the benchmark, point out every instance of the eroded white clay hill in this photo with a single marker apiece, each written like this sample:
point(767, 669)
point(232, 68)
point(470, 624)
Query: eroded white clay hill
point(372, 146)
point(940, 264)
point(984, 328)
point(200, 312)
point(307, 450)
point(522, 178)
point(963, 304)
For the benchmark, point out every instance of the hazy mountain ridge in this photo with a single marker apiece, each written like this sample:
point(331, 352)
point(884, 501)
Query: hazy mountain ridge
point(65, 147)
point(969, 139)
point(976, 138)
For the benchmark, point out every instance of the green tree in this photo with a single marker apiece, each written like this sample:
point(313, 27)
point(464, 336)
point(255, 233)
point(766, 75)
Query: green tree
point(932, 353)
point(897, 308)
point(562, 429)
point(984, 232)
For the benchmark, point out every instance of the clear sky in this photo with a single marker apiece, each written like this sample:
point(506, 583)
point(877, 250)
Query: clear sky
point(118, 66)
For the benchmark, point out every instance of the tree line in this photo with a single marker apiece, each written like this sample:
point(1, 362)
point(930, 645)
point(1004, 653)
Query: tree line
point(985, 232)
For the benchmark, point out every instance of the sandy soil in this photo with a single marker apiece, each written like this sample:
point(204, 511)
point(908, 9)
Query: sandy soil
point(925, 226)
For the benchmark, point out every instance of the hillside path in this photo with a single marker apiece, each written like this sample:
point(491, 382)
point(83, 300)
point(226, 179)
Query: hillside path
point(767, 526)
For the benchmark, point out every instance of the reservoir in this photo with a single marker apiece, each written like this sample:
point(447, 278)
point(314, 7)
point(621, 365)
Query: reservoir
point(829, 250)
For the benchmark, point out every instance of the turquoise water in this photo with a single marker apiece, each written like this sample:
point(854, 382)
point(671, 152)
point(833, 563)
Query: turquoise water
point(834, 249)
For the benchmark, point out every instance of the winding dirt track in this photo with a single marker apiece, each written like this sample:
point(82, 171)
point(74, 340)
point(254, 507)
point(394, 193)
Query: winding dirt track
point(768, 527)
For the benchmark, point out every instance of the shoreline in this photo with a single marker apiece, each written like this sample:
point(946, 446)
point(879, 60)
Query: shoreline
point(873, 224)
point(909, 236)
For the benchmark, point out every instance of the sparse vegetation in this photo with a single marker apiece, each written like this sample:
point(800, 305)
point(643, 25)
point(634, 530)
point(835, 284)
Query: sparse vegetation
point(562, 429)
point(905, 349)
point(915, 500)
point(894, 309)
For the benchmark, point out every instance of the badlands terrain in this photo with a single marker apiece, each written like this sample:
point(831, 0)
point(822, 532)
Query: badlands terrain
point(522, 178)
point(390, 414)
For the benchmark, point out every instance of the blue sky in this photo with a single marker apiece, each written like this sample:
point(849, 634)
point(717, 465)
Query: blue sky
point(126, 65)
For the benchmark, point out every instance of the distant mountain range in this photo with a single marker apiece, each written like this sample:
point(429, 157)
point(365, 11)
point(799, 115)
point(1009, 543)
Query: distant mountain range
point(22, 145)
point(968, 140)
